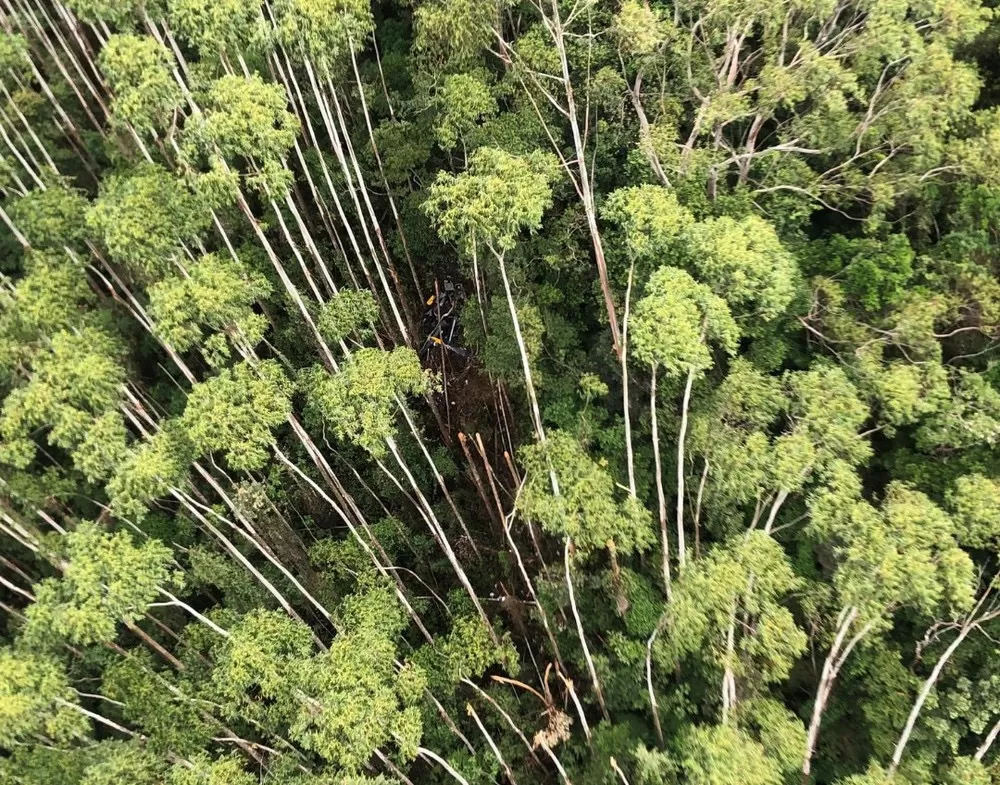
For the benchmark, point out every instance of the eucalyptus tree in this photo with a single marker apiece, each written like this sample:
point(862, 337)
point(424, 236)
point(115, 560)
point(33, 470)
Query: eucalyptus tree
point(37, 698)
point(675, 323)
point(138, 72)
point(902, 555)
point(498, 197)
point(144, 217)
point(745, 581)
point(232, 546)
point(106, 579)
point(825, 104)
point(73, 390)
point(212, 308)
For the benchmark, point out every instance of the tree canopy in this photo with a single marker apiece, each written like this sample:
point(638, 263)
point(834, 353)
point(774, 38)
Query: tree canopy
point(499, 392)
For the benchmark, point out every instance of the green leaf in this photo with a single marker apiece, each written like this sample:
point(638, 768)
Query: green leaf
point(235, 412)
point(36, 697)
point(587, 507)
point(359, 403)
point(106, 579)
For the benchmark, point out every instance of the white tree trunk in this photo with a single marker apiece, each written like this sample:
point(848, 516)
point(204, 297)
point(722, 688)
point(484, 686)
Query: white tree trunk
point(661, 498)
point(630, 456)
point(681, 436)
point(580, 633)
point(925, 691)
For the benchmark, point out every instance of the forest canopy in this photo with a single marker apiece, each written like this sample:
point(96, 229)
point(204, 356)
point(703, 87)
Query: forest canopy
point(598, 392)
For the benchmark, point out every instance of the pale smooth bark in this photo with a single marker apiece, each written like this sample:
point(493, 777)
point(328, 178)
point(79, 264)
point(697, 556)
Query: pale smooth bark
point(681, 437)
point(555, 28)
point(925, 691)
point(988, 741)
point(580, 633)
point(629, 455)
point(839, 652)
point(431, 755)
point(661, 498)
point(492, 744)
point(971, 622)
point(654, 708)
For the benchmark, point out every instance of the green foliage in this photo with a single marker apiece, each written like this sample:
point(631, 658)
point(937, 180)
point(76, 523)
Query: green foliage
point(138, 70)
point(902, 554)
point(711, 755)
point(35, 697)
point(13, 51)
point(51, 218)
point(224, 771)
point(968, 771)
point(346, 559)
point(214, 26)
point(103, 447)
point(466, 652)
point(343, 703)
point(971, 417)
point(235, 412)
point(38, 765)
point(125, 761)
point(875, 775)
point(676, 319)
point(73, 383)
point(639, 29)
point(781, 733)
point(494, 200)
point(464, 100)
point(359, 402)
point(246, 117)
point(454, 32)
point(826, 415)
point(347, 311)
point(746, 580)
point(151, 702)
point(52, 296)
point(497, 345)
point(217, 294)
point(144, 216)
point(106, 579)
point(805, 198)
point(586, 508)
point(150, 470)
point(975, 501)
point(326, 31)
point(256, 666)
point(874, 272)
point(356, 702)
point(120, 13)
point(906, 392)
point(209, 568)
point(732, 429)
point(651, 220)
point(411, 145)
point(723, 755)
point(745, 262)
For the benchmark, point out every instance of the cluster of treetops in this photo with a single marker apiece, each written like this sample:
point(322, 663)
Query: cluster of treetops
point(709, 496)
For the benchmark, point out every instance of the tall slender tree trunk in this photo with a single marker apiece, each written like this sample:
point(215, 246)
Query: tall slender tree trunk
point(654, 708)
point(580, 633)
point(681, 438)
point(661, 498)
point(834, 661)
point(445, 544)
point(586, 190)
point(988, 741)
point(925, 691)
point(629, 455)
